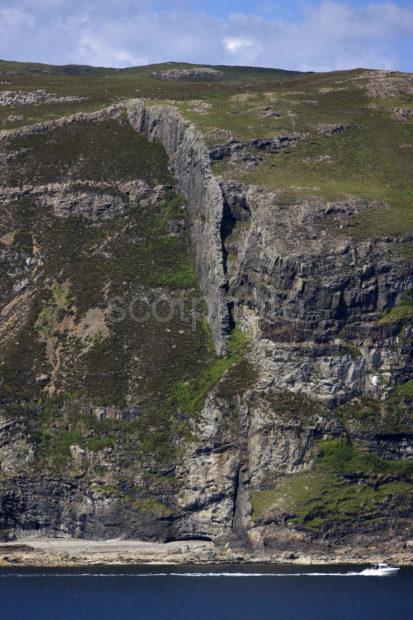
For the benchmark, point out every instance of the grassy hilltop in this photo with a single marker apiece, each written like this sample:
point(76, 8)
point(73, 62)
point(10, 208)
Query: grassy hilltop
point(371, 159)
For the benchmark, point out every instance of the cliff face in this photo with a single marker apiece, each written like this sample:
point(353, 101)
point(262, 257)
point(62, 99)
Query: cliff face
point(119, 416)
point(189, 159)
point(330, 356)
point(313, 298)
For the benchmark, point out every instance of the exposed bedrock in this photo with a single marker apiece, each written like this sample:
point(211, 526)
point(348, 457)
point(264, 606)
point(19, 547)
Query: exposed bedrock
point(95, 201)
point(189, 159)
point(245, 443)
point(313, 299)
point(58, 506)
point(113, 111)
point(270, 145)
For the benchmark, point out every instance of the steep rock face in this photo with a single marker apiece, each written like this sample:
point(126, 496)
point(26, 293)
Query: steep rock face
point(313, 302)
point(244, 443)
point(210, 472)
point(312, 298)
point(190, 163)
point(58, 506)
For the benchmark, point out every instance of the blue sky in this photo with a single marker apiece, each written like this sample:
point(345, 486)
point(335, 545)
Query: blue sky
point(293, 34)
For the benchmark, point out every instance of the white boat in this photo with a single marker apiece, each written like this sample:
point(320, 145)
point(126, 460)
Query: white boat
point(380, 570)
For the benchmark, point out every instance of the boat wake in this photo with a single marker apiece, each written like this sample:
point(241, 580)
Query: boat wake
point(232, 575)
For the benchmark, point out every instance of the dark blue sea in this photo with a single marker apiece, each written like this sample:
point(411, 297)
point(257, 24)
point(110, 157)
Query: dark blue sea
point(213, 592)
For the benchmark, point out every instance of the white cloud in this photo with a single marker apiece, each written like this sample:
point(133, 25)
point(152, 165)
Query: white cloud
point(233, 45)
point(327, 35)
point(92, 50)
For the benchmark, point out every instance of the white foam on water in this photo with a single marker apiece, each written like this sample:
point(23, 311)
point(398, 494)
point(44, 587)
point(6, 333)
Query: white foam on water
point(188, 575)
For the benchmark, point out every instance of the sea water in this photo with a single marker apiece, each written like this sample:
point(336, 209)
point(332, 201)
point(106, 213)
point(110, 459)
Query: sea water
point(212, 592)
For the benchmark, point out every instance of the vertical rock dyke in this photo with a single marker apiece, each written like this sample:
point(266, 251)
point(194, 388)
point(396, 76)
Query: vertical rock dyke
point(189, 159)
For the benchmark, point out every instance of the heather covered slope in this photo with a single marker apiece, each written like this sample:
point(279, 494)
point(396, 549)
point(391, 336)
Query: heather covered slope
point(100, 236)
point(206, 303)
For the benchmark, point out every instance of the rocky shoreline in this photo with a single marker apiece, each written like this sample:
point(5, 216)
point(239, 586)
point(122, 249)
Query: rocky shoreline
point(55, 553)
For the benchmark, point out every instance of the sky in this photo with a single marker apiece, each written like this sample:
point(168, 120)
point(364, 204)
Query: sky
point(306, 35)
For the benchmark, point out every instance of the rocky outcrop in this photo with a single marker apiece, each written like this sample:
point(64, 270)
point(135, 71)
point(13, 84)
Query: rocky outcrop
point(18, 97)
point(326, 129)
point(403, 114)
point(89, 199)
point(193, 74)
point(270, 145)
point(244, 443)
point(59, 506)
point(114, 111)
point(387, 83)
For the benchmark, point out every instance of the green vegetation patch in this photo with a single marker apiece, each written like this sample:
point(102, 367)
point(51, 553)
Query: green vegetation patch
point(392, 415)
point(151, 506)
point(405, 390)
point(87, 150)
point(140, 262)
point(23, 358)
point(54, 426)
point(341, 456)
point(58, 423)
point(403, 311)
point(54, 309)
point(134, 275)
point(99, 87)
point(369, 160)
point(189, 396)
point(347, 485)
